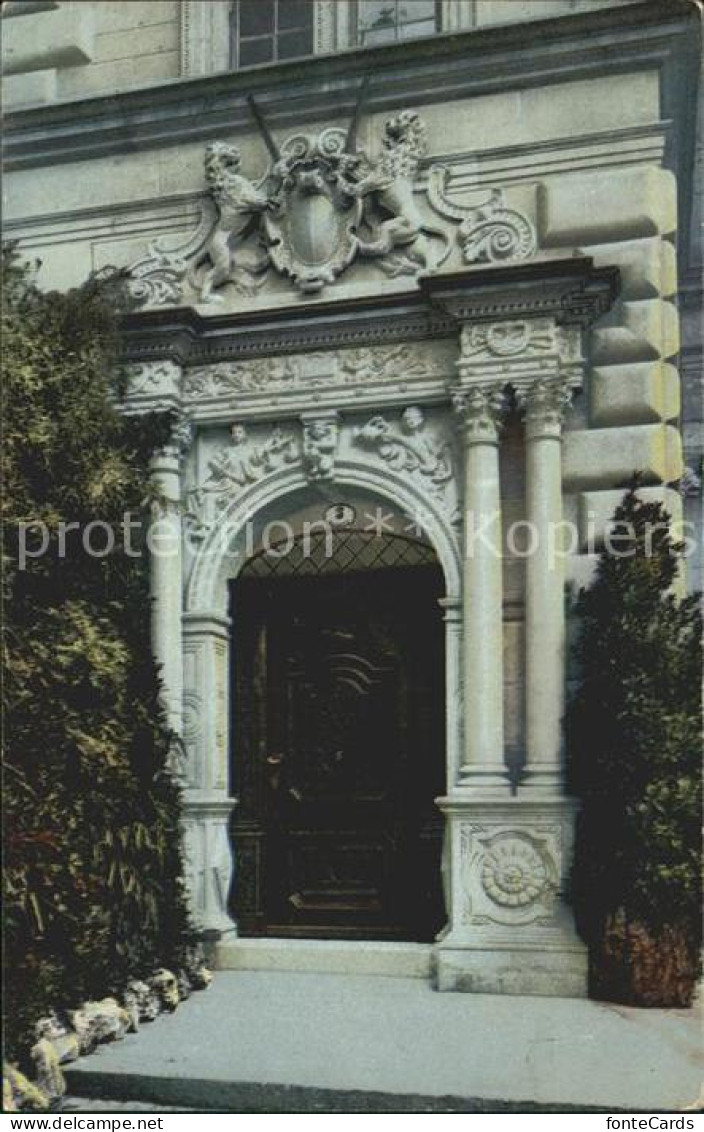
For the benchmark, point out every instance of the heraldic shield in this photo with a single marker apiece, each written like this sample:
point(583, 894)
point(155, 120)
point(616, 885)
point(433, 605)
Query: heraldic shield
point(311, 225)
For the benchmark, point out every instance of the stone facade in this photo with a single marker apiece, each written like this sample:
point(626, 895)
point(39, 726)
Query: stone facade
point(465, 312)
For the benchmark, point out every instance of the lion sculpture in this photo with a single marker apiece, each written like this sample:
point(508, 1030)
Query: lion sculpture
point(388, 189)
point(239, 204)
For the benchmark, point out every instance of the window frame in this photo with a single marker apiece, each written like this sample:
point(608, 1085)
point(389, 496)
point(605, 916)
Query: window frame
point(357, 35)
point(273, 37)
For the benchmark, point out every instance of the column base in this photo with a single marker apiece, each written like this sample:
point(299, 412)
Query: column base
point(510, 931)
point(484, 783)
point(543, 781)
point(207, 859)
point(530, 971)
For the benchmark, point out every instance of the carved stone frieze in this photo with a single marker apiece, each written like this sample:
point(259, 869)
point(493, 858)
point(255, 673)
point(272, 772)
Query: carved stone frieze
point(253, 376)
point(296, 374)
point(153, 385)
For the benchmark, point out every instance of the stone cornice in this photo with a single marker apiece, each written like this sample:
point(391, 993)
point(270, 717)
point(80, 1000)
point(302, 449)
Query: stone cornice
point(655, 33)
point(188, 338)
point(570, 289)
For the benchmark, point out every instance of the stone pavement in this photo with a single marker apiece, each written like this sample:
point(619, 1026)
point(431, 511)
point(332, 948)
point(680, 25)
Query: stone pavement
point(285, 1038)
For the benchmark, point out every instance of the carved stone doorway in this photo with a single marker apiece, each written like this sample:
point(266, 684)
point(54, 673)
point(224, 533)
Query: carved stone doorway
point(338, 709)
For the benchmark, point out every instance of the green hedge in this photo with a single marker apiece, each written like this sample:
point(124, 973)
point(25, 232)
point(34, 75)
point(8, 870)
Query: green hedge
point(635, 741)
point(92, 879)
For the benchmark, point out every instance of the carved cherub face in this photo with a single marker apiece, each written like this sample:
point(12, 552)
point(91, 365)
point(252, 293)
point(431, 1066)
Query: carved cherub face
point(412, 419)
point(238, 434)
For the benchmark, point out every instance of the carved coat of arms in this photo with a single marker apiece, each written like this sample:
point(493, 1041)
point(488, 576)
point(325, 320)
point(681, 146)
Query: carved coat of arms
point(323, 203)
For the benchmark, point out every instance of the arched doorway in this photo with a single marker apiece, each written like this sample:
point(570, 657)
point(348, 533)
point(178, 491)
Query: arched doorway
point(338, 738)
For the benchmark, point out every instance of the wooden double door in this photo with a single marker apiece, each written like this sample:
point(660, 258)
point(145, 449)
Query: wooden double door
point(338, 726)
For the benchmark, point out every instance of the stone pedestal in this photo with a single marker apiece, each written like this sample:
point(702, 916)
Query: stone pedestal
point(511, 932)
point(207, 804)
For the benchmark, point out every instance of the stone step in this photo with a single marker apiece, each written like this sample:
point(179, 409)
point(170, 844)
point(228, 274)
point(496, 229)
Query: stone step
point(110, 1093)
point(326, 957)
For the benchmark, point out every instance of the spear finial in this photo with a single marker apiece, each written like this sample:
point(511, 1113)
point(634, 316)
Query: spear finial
point(264, 130)
point(351, 139)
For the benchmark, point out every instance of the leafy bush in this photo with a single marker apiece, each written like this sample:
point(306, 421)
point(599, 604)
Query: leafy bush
point(93, 889)
point(635, 739)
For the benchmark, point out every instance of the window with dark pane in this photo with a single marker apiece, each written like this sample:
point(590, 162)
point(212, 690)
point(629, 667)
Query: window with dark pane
point(267, 30)
point(387, 21)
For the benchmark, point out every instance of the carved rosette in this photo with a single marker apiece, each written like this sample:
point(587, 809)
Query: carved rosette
point(480, 408)
point(513, 873)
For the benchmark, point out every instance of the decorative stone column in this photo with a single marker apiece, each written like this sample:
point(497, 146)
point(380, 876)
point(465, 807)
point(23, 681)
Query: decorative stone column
point(452, 616)
point(507, 853)
point(207, 804)
point(545, 402)
point(482, 767)
point(166, 561)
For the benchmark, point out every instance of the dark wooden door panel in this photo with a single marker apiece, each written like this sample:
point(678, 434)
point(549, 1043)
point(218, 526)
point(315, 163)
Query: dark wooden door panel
point(338, 754)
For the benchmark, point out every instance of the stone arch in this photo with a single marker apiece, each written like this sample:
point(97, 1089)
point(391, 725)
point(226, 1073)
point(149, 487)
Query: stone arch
point(206, 651)
point(220, 556)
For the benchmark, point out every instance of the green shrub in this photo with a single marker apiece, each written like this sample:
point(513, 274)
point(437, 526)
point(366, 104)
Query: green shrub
point(635, 743)
point(92, 891)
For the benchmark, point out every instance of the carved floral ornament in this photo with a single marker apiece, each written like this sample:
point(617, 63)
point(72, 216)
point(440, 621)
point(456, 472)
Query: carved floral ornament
point(514, 872)
point(323, 204)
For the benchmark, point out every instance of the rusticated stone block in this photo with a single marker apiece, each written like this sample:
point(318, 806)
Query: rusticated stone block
point(608, 458)
point(648, 267)
point(596, 510)
point(601, 207)
point(642, 393)
point(637, 332)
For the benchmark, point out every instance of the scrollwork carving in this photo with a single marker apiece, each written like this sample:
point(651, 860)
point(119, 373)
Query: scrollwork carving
point(489, 232)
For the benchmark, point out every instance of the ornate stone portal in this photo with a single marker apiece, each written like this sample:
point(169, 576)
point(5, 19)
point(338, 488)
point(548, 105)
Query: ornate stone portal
point(402, 407)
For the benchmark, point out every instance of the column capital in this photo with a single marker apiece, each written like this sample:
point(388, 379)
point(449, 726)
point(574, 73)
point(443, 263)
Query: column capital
point(545, 402)
point(480, 408)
